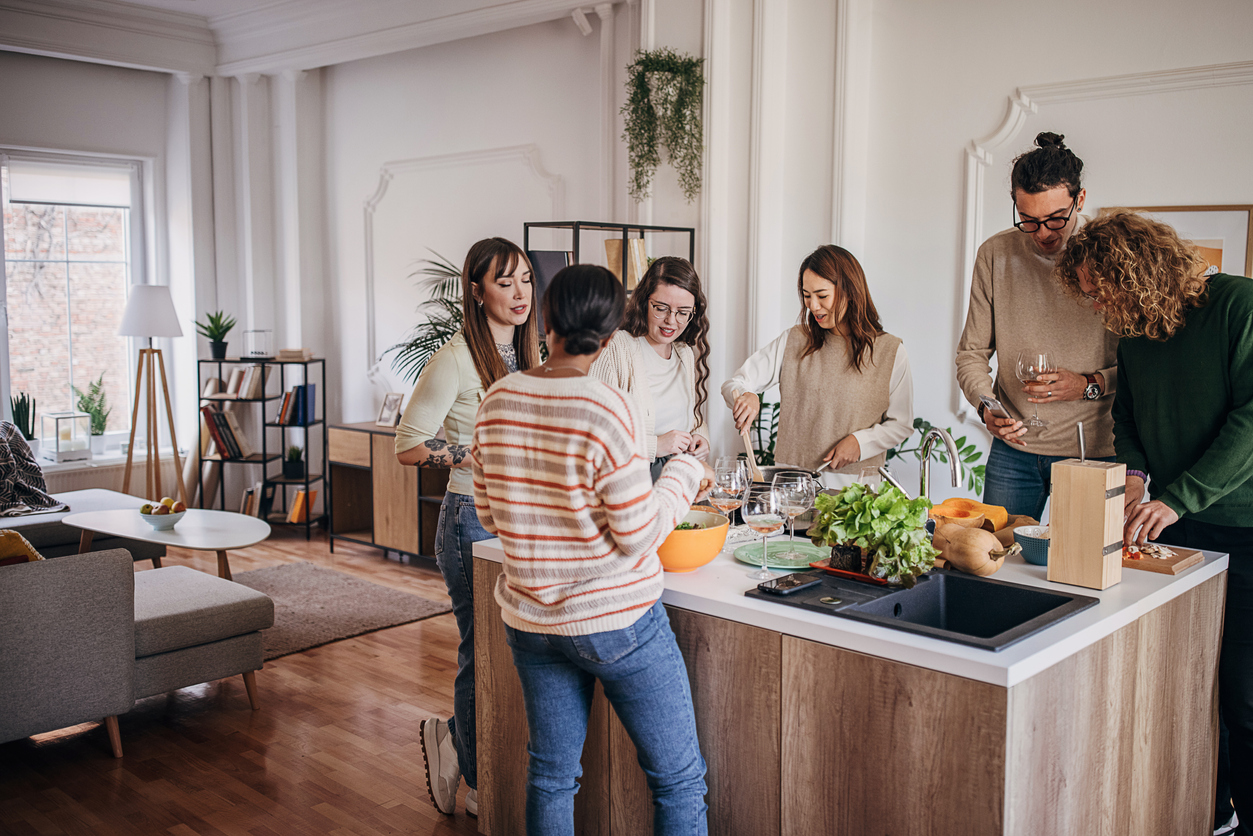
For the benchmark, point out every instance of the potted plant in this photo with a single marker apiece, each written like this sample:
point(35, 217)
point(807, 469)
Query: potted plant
point(294, 463)
point(215, 331)
point(663, 108)
point(23, 406)
point(95, 404)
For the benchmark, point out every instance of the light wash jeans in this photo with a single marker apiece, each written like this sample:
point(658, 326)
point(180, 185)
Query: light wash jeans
point(646, 683)
point(455, 535)
point(1020, 481)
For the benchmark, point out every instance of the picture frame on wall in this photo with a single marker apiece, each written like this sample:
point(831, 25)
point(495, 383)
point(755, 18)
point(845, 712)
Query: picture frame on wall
point(1223, 233)
point(389, 414)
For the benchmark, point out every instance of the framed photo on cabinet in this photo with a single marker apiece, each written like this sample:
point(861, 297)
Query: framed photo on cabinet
point(1222, 233)
point(389, 414)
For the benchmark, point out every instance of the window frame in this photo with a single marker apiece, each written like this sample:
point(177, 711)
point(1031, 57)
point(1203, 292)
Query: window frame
point(138, 223)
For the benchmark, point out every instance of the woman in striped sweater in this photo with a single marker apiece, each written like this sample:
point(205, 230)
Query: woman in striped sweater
point(559, 477)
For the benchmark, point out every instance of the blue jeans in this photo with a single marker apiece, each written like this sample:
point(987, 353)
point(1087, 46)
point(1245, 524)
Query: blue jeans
point(456, 533)
point(1020, 481)
point(646, 683)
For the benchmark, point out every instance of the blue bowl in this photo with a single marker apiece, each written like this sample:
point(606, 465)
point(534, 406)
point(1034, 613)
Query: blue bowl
point(1034, 542)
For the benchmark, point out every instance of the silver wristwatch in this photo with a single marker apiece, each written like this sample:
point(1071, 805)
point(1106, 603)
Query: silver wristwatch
point(1093, 390)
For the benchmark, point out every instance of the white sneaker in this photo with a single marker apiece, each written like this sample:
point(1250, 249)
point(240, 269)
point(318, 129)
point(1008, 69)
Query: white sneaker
point(1229, 827)
point(443, 775)
point(472, 803)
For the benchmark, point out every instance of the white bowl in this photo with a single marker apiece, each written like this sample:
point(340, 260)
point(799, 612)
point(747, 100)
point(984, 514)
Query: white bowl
point(163, 522)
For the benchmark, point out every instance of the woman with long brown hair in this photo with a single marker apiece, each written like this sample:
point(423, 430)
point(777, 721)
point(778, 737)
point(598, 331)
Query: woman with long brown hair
point(499, 335)
point(660, 356)
point(845, 388)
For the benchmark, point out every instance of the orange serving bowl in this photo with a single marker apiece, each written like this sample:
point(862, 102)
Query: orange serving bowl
point(688, 550)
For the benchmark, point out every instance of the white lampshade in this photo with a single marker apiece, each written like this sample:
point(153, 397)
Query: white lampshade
point(150, 313)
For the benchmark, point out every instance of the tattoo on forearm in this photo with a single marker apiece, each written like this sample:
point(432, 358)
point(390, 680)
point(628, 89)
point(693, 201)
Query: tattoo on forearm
point(443, 454)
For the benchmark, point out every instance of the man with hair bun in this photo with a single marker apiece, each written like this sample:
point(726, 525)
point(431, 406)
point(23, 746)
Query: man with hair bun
point(1017, 306)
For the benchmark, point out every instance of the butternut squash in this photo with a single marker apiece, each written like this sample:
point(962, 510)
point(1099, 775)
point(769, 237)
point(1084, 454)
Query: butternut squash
point(956, 516)
point(995, 517)
point(976, 551)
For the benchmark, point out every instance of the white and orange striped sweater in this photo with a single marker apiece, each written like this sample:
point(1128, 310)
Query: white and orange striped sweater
point(558, 476)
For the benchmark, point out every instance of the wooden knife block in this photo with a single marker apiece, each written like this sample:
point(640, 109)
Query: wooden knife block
point(1086, 522)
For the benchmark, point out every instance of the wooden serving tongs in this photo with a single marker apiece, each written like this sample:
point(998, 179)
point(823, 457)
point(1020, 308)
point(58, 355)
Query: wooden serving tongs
point(753, 469)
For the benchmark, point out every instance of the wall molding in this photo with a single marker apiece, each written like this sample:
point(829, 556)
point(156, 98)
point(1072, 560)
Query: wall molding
point(1026, 101)
point(265, 40)
point(106, 32)
point(527, 155)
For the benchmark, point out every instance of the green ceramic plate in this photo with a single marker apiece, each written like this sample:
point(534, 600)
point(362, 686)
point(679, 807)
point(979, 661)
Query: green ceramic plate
point(751, 554)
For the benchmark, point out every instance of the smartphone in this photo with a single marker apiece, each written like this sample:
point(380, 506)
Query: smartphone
point(789, 584)
point(994, 406)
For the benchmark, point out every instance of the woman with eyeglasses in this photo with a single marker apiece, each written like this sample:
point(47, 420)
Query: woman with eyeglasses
point(660, 357)
point(846, 393)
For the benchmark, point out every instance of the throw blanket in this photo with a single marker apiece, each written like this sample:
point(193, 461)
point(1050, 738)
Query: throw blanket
point(22, 486)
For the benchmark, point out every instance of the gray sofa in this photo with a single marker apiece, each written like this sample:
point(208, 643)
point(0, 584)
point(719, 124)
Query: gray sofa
point(84, 636)
point(53, 538)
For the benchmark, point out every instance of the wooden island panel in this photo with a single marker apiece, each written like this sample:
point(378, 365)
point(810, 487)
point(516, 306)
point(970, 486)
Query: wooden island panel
point(1123, 736)
point(395, 499)
point(879, 747)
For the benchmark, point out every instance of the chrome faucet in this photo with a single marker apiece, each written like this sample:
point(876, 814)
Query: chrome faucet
point(954, 462)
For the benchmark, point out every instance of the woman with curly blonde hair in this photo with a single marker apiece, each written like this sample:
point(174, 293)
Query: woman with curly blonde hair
point(1183, 424)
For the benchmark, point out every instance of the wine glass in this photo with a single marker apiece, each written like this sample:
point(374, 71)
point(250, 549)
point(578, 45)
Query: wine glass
point(1029, 367)
point(797, 491)
point(763, 511)
point(730, 483)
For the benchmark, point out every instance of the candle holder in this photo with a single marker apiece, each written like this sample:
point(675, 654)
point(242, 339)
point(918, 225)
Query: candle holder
point(65, 437)
point(259, 345)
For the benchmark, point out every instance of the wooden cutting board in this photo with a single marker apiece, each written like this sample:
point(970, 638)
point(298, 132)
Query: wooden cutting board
point(1183, 559)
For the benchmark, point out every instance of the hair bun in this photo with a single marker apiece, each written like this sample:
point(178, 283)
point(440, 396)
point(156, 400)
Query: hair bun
point(583, 341)
point(1046, 139)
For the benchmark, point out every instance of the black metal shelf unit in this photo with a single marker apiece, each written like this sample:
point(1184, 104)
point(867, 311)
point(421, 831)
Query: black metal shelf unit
point(270, 428)
point(577, 227)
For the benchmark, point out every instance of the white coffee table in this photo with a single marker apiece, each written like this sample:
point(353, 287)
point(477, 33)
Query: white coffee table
point(210, 531)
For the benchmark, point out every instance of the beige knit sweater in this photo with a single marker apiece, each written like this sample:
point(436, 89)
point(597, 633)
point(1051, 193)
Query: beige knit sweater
point(1016, 305)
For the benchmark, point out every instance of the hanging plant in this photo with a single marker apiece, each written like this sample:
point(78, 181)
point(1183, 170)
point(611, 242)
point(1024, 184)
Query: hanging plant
point(663, 109)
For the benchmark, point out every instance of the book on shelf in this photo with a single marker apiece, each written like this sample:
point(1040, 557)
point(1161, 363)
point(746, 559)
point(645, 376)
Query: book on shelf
point(241, 441)
point(544, 265)
point(309, 410)
point(266, 503)
point(297, 508)
point(226, 439)
point(294, 355)
point(246, 502)
point(282, 410)
point(211, 424)
point(254, 386)
point(637, 260)
point(234, 382)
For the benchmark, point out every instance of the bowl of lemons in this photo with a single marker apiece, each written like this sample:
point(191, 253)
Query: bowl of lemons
point(163, 515)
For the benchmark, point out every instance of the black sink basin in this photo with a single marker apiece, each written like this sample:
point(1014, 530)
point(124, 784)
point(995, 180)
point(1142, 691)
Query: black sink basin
point(982, 612)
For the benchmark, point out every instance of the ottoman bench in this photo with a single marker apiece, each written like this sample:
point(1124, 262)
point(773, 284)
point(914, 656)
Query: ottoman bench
point(191, 628)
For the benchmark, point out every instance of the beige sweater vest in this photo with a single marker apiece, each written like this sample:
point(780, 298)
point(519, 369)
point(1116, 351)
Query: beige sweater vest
point(825, 398)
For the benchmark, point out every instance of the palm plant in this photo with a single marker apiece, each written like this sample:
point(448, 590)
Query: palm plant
point(95, 404)
point(442, 316)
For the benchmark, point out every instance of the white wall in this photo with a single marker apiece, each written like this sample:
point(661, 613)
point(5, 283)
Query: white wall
point(535, 86)
point(941, 77)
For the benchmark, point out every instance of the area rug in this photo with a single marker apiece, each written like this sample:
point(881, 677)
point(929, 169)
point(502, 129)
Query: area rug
point(314, 606)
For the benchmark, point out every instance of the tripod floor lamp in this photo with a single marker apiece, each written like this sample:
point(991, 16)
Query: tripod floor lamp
point(150, 313)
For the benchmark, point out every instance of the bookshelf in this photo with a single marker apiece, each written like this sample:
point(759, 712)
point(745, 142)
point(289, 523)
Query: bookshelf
point(626, 231)
point(277, 378)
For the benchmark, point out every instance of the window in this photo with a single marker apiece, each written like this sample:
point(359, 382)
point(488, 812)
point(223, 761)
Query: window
point(68, 244)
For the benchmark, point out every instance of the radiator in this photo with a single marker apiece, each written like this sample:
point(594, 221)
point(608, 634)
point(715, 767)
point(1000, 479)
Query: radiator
point(109, 476)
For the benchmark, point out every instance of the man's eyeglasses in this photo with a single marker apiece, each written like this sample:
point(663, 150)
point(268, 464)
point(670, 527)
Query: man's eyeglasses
point(662, 310)
point(1048, 223)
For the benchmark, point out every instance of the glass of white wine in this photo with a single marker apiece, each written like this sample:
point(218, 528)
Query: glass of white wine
point(1030, 365)
point(730, 482)
point(763, 512)
point(797, 491)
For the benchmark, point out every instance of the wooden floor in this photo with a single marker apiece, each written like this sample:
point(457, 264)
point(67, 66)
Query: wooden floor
point(333, 750)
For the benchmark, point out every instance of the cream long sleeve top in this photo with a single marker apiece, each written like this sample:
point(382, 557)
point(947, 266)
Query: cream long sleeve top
point(761, 371)
point(621, 364)
point(447, 394)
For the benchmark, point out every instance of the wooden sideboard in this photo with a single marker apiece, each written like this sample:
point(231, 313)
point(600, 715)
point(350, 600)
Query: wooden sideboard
point(375, 499)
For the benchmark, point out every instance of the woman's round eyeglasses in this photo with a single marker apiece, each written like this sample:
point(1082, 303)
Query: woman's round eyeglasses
point(662, 310)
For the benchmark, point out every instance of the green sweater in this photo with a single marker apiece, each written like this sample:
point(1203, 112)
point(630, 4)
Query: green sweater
point(1183, 412)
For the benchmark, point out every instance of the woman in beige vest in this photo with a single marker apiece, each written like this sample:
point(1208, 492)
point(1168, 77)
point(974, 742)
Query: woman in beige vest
point(660, 357)
point(846, 392)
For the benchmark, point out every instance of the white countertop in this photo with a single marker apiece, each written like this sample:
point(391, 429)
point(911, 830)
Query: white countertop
point(718, 588)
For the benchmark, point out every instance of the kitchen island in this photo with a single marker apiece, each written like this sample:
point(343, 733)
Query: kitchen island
point(1105, 723)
